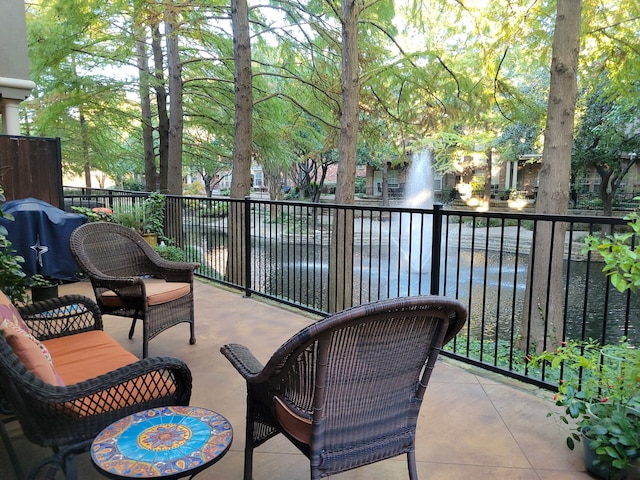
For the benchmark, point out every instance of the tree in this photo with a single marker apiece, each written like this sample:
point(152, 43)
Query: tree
point(542, 320)
point(176, 113)
point(146, 119)
point(75, 99)
point(309, 174)
point(242, 144)
point(607, 138)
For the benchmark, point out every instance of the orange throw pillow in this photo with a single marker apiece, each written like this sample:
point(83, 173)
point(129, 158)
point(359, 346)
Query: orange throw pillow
point(33, 354)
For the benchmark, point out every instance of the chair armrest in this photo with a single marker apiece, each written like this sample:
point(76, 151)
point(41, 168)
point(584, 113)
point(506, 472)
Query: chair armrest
point(61, 316)
point(243, 361)
point(110, 282)
point(173, 271)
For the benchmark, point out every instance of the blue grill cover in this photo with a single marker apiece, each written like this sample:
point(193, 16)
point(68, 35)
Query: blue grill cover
point(40, 233)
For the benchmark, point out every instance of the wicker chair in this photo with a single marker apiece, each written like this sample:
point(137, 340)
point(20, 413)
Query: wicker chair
point(131, 280)
point(347, 389)
point(67, 418)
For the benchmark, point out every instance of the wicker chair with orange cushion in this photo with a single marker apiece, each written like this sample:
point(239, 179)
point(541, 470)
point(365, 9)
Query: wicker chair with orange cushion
point(65, 379)
point(131, 280)
point(347, 389)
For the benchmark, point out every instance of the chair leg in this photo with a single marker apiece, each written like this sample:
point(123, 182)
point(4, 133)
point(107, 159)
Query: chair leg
point(52, 463)
point(411, 459)
point(248, 444)
point(11, 452)
point(64, 458)
point(192, 328)
point(248, 452)
point(133, 327)
point(70, 466)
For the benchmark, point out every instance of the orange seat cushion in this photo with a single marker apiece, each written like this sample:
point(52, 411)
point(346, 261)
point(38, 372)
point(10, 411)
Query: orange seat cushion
point(158, 292)
point(86, 355)
point(295, 425)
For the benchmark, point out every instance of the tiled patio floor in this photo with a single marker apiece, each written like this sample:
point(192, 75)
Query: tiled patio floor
point(473, 424)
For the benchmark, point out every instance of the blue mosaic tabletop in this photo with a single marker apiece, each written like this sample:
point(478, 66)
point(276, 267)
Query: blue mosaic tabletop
point(166, 442)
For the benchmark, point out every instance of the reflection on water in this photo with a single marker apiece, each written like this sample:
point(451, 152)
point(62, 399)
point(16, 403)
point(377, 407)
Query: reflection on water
point(492, 284)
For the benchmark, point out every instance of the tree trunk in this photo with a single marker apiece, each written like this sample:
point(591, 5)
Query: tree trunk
point(385, 184)
point(350, 84)
point(206, 179)
point(542, 323)
point(241, 180)
point(487, 180)
point(176, 113)
point(606, 192)
point(150, 172)
point(241, 172)
point(85, 148)
point(161, 100)
point(340, 285)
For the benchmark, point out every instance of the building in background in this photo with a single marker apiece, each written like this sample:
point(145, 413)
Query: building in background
point(15, 81)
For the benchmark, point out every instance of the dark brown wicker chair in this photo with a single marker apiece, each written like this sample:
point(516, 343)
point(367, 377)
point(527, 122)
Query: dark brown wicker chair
point(347, 389)
point(67, 418)
point(131, 280)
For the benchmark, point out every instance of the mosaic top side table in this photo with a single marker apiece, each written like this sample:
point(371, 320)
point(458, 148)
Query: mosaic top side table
point(165, 442)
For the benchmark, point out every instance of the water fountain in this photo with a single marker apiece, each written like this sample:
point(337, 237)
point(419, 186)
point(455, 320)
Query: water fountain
point(416, 227)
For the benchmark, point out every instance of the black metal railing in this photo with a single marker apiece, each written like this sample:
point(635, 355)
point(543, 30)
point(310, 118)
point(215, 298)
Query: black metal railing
point(290, 255)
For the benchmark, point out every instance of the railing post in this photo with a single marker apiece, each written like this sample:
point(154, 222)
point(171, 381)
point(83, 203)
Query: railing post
point(436, 243)
point(247, 246)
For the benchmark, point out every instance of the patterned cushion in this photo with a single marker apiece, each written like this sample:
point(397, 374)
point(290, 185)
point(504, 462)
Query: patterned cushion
point(10, 313)
point(31, 352)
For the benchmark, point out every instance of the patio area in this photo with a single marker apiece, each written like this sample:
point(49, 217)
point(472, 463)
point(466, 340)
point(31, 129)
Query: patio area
point(473, 424)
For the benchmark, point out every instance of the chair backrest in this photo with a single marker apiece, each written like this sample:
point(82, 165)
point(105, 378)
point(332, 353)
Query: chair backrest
point(111, 249)
point(363, 372)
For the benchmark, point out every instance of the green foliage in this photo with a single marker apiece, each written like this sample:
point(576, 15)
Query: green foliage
point(170, 252)
point(600, 389)
point(13, 280)
point(133, 185)
point(448, 194)
point(153, 210)
point(130, 217)
point(214, 209)
point(146, 216)
point(621, 254)
point(291, 223)
point(518, 139)
point(38, 280)
point(457, 76)
point(99, 215)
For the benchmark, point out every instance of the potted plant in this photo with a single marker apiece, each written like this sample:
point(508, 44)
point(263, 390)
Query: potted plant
point(147, 217)
point(153, 217)
point(42, 288)
point(599, 390)
point(12, 278)
point(600, 385)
